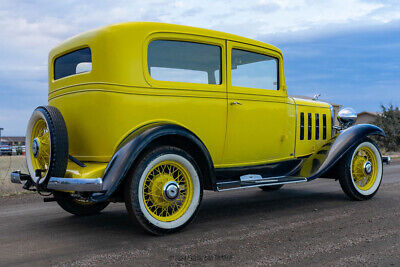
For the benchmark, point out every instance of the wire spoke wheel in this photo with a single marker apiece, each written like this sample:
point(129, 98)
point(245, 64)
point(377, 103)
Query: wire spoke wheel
point(164, 190)
point(364, 168)
point(160, 205)
point(361, 170)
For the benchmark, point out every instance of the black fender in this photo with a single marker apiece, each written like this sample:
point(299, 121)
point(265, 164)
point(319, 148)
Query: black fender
point(330, 153)
point(135, 143)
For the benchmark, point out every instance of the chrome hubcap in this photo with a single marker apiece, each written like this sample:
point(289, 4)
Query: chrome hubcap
point(368, 167)
point(35, 147)
point(171, 190)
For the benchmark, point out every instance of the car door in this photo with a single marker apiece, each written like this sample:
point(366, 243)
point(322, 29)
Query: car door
point(261, 117)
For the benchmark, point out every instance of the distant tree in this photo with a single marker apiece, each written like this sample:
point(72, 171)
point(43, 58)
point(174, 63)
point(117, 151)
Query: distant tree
point(389, 121)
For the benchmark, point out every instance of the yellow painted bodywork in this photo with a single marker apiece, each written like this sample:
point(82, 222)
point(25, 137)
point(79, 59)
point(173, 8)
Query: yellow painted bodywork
point(92, 170)
point(306, 147)
point(260, 128)
point(118, 95)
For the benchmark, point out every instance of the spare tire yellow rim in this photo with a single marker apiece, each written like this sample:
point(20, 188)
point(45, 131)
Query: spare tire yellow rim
point(40, 146)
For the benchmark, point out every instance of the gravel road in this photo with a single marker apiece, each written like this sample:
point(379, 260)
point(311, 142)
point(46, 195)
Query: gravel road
point(303, 224)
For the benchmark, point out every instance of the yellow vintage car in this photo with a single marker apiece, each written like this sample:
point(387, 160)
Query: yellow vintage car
point(152, 114)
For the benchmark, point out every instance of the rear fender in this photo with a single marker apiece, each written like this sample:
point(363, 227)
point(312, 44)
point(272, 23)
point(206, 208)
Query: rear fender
point(134, 144)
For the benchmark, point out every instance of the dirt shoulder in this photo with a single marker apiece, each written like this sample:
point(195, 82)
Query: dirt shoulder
point(8, 164)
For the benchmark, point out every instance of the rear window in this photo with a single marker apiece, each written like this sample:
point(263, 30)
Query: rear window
point(75, 62)
point(179, 61)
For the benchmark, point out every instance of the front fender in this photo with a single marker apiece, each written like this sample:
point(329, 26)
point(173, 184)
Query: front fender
point(329, 154)
point(131, 147)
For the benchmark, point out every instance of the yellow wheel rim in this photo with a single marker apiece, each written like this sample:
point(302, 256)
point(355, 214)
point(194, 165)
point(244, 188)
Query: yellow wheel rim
point(363, 176)
point(154, 191)
point(40, 155)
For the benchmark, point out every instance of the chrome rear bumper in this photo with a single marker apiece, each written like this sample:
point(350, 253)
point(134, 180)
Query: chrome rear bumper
point(67, 184)
point(74, 184)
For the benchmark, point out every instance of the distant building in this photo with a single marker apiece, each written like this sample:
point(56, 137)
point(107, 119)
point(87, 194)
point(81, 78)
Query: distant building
point(366, 117)
point(336, 107)
point(13, 140)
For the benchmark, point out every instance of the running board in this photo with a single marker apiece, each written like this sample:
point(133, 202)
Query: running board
point(255, 180)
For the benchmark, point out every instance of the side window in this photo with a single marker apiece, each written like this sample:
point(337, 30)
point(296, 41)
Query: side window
point(75, 62)
point(254, 70)
point(178, 61)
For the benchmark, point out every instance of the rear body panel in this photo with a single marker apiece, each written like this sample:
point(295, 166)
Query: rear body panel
point(99, 117)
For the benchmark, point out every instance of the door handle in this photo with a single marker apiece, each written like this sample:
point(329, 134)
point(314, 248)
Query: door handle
point(235, 103)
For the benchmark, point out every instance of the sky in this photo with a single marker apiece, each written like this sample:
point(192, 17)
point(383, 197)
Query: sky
point(346, 50)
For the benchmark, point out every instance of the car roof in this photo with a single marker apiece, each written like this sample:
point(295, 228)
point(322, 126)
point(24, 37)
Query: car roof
point(147, 28)
point(116, 48)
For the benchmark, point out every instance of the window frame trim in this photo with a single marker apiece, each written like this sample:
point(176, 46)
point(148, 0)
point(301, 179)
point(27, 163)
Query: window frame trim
point(183, 37)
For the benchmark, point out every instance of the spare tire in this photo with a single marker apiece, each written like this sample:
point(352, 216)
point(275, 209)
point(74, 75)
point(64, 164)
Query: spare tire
point(46, 144)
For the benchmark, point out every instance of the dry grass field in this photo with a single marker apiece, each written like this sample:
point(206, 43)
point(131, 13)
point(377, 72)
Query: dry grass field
point(8, 164)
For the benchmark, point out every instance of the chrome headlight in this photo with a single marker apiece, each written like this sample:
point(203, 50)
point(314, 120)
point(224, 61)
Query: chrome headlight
point(347, 117)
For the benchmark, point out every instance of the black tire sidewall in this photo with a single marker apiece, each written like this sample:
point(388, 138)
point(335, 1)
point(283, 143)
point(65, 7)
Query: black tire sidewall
point(132, 186)
point(67, 203)
point(58, 142)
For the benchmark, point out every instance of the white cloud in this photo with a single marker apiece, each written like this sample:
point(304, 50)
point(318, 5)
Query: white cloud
point(29, 29)
point(42, 25)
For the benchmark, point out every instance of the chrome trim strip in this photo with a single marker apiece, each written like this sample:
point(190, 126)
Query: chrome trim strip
point(300, 180)
point(75, 184)
point(250, 178)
